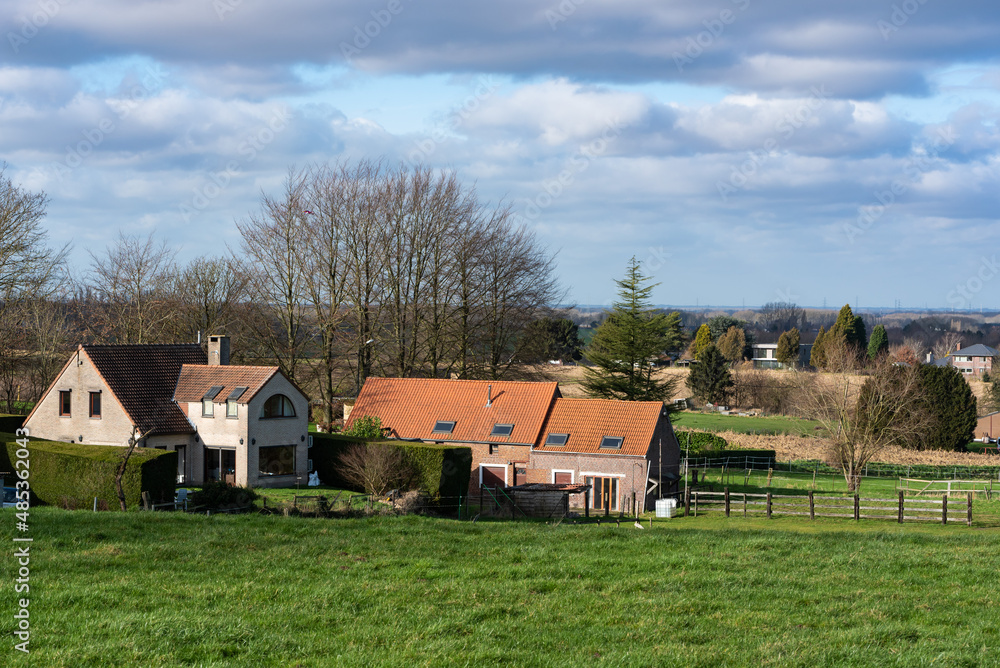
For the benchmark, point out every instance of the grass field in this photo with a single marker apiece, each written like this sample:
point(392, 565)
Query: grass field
point(746, 425)
point(167, 589)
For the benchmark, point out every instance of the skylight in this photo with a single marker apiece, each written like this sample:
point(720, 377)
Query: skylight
point(556, 439)
point(612, 442)
point(212, 392)
point(502, 430)
point(236, 393)
point(443, 427)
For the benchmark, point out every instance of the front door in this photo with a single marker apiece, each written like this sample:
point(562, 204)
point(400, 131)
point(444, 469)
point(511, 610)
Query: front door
point(604, 492)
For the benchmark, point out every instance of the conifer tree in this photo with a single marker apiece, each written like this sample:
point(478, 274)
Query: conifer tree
point(788, 347)
point(702, 340)
point(878, 345)
point(817, 358)
point(732, 343)
point(710, 379)
point(631, 336)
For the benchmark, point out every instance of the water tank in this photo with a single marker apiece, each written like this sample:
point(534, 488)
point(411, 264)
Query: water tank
point(666, 507)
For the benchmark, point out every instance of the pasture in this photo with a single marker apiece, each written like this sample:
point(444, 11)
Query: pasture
point(169, 589)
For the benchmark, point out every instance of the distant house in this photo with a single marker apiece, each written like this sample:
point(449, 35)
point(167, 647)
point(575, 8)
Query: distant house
point(524, 432)
point(765, 355)
point(974, 360)
point(242, 424)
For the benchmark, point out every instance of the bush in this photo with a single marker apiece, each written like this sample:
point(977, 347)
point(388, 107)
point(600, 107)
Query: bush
point(222, 495)
point(72, 474)
point(376, 468)
point(366, 426)
point(440, 470)
point(699, 442)
point(9, 424)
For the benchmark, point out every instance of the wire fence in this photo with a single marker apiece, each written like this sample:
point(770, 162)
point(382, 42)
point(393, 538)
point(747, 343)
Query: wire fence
point(872, 470)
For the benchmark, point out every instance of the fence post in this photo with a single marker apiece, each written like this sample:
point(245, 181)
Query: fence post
point(727, 502)
point(968, 518)
point(768, 504)
point(586, 503)
point(900, 518)
point(812, 505)
point(944, 509)
point(857, 506)
point(687, 502)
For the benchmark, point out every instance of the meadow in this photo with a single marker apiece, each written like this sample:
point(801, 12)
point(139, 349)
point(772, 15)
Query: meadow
point(169, 589)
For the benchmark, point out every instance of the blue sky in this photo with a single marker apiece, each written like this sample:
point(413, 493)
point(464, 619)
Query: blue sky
point(745, 151)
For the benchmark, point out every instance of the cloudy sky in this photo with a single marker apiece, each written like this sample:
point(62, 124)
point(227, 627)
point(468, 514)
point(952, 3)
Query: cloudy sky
point(745, 151)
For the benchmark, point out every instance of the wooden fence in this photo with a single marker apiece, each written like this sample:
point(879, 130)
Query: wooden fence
point(813, 505)
point(948, 487)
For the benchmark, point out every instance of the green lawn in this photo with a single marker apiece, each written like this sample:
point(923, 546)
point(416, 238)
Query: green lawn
point(168, 589)
point(747, 425)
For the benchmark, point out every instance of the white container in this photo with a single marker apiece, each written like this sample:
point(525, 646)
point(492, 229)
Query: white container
point(666, 507)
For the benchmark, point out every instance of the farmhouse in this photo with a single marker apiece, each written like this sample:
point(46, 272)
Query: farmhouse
point(245, 425)
point(526, 432)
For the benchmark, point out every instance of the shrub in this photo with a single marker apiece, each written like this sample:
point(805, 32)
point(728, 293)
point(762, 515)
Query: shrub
point(440, 470)
point(366, 426)
point(374, 467)
point(68, 474)
point(222, 495)
point(699, 442)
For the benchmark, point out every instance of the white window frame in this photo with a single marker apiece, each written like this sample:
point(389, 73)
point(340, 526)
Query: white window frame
point(571, 472)
point(493, 466)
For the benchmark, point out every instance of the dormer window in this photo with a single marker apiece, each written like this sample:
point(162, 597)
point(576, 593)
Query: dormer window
point(502, 430)
point(208, 401)
point(443, 427)
point(612, 442)
point(556, 439)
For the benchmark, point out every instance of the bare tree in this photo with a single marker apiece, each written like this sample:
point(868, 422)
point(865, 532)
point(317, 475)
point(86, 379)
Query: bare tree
point(127, 297)
point(782, 316)
point(376, 468)
point(864, 416)
point(209, 292)
point(947, 343)
point(274, 273)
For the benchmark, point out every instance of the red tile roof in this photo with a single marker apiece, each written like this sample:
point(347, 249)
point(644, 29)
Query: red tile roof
point(411, 406)
point(142, 378)
point(588, 421)
point(195, 380)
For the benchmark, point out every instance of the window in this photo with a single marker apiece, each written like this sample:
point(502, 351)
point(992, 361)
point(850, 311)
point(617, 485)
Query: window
point(443, 427)
point(232, 409)
point(95, 404)
point(502, 430)
point(494, 448)
point(612, 442)
point(603, 492)
point(64, 402)
point(556, 439)
point(236, 393)
point(277, 406)
point(277, 460)
point(207, 401)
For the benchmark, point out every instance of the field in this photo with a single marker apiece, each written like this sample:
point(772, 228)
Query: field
point(745, 424)
point(167, 589)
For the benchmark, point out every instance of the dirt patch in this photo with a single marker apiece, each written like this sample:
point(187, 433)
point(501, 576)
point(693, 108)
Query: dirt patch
point(788, 448)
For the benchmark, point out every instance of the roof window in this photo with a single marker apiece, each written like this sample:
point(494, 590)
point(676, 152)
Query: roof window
point(212, 392)
point(556, 439)
point(443, 427)
point(612, 442)
point(502, 430)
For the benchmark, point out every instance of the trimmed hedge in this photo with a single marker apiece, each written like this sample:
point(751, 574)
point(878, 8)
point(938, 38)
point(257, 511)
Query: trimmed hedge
point(700, 441)
point(73, 474)
point(439, 470)
point(11, 423)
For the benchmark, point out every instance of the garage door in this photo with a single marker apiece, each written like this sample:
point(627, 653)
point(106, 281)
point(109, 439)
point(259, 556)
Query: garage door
point(493, 476)
point(563, 478)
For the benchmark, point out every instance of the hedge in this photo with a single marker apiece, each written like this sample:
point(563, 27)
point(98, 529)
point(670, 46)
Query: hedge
point(700, 441)
point(440, 470)
point(11, 423)
point(73, 474)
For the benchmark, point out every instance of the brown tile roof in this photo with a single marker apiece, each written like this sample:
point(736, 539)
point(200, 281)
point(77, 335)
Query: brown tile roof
point(143, 377)
point(411, 406)
point(588, 421)
point(196, 379)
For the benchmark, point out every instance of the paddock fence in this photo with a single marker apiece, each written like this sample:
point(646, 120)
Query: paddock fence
point(901, 509)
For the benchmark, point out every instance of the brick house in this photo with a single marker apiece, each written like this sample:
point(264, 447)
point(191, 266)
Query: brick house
point(988, 426)
point(526, 432)
point(243, 424)
point(974, 360)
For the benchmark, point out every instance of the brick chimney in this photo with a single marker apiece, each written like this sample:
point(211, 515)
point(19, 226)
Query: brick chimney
point(218, 350)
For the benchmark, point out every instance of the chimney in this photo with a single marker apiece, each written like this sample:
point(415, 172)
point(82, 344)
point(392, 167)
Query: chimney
point(218, 350)
point(489, 396)
point(930, 358)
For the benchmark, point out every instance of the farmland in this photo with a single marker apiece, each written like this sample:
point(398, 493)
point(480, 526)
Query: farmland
point(180, 589)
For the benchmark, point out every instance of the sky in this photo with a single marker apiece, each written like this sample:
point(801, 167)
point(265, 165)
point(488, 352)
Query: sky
point(744, 151)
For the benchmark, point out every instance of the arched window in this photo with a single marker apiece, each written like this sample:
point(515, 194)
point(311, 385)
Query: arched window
point(277, 406)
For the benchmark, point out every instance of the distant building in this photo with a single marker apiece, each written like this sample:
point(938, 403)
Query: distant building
point(765, 355)
point(972, 361)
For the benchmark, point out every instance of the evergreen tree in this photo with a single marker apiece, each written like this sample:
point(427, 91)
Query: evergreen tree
point(702, 340)
point(851, 328)
point(709, 378)
point(631, 336)
point(878, 345)
point(732, 343)
point(817, 358)
point(949, 400)
point(788, 347)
